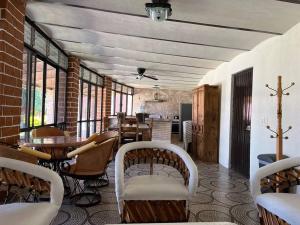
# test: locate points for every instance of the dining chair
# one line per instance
(47, 132)
(89, 164)
(36, 179)
(274, 190)
(160, 198)
(58, 154)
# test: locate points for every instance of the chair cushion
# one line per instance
(284, 205)
(154, 187)
(27, 213)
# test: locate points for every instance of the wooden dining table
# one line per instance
(143, 128)
(53, 142)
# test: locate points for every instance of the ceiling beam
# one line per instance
(148, 38)
(158, 53)
(170, 20)
(136, 60)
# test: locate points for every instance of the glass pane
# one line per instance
(27, 33)
(86, 75)
(84, 104)
(53, 53)
(32, 97)
(129, 105)
(130, 91)
(40, 43)
(63, 60)
(50, 95)
(92, 128)
(118, 87)
(61, 98)
(112, 108)
(94, 78)
(24, 90)
(79, 101)
(124, 102)
(38, 95)
(113, 85)
(124, 89)
(117, 103)
(78, 129)
(98, 126)
(84, 129)
(99, 103)
(93, 102)
(100, 81)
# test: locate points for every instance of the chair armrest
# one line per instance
(82, 149)
(56, 184)
(38, 154)
(271, 169)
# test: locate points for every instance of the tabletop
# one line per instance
(142, 126)
(58, 141)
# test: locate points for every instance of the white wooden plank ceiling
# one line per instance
(114, 37)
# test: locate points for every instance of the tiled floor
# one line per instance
(222, 195)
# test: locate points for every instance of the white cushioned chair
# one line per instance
(278, 208)
(26, 174)
(154, 198)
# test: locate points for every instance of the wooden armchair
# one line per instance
(89, 164)
(36, 178)
(154, 198)
(283, 207)
(47, 132)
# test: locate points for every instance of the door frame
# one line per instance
(231, 113)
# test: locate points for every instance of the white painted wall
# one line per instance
(276, 56)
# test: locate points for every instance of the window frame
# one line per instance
(32, 56)
(97, 86)
(114, 89)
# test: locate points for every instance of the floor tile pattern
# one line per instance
(222, 195)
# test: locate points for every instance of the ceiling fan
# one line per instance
(140, 74)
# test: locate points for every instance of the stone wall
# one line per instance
(170, 105)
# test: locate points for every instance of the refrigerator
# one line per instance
(185, 113)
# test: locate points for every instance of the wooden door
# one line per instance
(200, 124)
(241, 121)
(194, 121)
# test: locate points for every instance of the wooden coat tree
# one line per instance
(279, 134)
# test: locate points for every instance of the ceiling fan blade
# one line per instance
(150, 77)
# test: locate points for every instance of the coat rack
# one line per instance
(279, 133)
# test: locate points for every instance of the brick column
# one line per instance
(12, 16)
(106, 100)
(72, 94)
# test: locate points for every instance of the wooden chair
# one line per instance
(58, 155)
(35, 178)
(159, 198)
(26, 155)
(273, 190)
(89, 164)
(126, 132)
(47, 132)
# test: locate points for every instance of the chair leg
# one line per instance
(84, 196)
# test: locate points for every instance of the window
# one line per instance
(44, 81)
(90, 103)
(121, 99)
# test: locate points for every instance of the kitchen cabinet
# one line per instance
(205, 123)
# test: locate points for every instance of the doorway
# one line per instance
(241, 121)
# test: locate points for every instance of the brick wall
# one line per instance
(106, 100)
(12, 16)
(72, 94)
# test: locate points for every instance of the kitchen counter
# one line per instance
(161, 129)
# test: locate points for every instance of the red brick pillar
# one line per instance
(12, 16)
(72, 94)
(106, 100)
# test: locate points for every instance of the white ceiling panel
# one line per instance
(115, 37)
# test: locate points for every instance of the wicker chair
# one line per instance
(58, 155)
(34, 177)
(154, 198)
(89, 164)
(283, 207)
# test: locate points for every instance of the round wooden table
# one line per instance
(53, 142)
